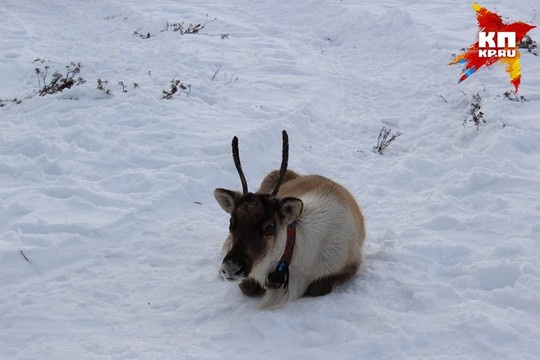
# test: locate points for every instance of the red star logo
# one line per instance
(475, 57)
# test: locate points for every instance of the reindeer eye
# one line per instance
(270, 229)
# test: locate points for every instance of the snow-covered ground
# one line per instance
(110, 237)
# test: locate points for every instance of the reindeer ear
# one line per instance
(226, 199)
(290, 209)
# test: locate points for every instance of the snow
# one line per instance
(109, 197)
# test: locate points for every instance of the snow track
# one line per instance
(109, 234)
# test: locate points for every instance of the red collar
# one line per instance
(280, 276)
(289, 247)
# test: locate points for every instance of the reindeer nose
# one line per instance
(232, 269)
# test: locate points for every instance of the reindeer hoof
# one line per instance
(251, 287)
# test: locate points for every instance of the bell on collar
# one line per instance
(280, 276)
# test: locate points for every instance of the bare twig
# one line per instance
(216, 72)
(25, 258)
(58, 82)
(176, 87)
(31, 263)
(475, 112)
(190, 29)
(384, 140)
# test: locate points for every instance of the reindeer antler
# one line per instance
(236, 158)
(284, 162)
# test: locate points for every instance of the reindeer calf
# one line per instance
(296, 236)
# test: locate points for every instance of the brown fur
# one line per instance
(270, 180)
(326, 284)
(299, 185)
(295, 185)
(252, 212)
(251, 287)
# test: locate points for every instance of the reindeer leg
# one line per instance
(251, 287)
(326, 284)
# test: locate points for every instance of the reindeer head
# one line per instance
(258, 221)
